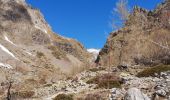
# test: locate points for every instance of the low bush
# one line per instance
(96, 69)
(23, 94)
(47, 85)
(109, 84)
(106, 81)
(63, 97)
(93, 80)
(58, 54)
(40, 54)
(151, 71)
(94, 97)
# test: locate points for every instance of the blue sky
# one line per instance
(84, 20)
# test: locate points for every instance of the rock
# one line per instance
(164, 75)
(135, 94)
(122, 67)
(117, 94)
(124, 74)
(156, 97)
(161, 92)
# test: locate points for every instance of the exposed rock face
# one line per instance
(145, 39)
(30, 53)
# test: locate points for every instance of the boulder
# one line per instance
(135, 94)
(117, 94)
(161, 92)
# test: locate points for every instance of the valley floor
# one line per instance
(145, 88)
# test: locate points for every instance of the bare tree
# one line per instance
(120, 14)
(9, 91)
(122, 9)
(10, 79)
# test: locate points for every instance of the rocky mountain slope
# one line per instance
(144, 39)
(31, 54)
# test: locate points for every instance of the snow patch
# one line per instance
(44, 30)
(7, 51)
(7, 39)
(5, 65)
(64, 37)
(95, 52)
(29, 53)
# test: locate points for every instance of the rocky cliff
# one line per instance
(144, 39)
(31, 54)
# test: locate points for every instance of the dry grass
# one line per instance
(76, 69)
(40, 54)
(97, 69)
(105, 81)
(151, 71)
(63, 97)
(94, 97)
(23, 94)
(58, 54)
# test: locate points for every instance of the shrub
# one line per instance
(23, 94)
(96, 69)
(92, 80)
(58, 54)
(151, 71)
(63, 97)
(105, 81)
(94, 97)
(40, 54)
(47, 85)
(109, 84)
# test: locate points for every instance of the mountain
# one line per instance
(31, 54)
(94, 52)
(144, 39)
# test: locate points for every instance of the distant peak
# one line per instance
(92, 50)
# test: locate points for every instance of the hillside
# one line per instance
(31, 53)
(144, 39)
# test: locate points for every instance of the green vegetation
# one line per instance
(97, 69)
(151, 71)
(40, 54)
(63, 97)
(105, 81)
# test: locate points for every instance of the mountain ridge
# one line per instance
(31, 53)
(143, 40)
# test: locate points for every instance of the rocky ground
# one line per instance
(132, 88)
